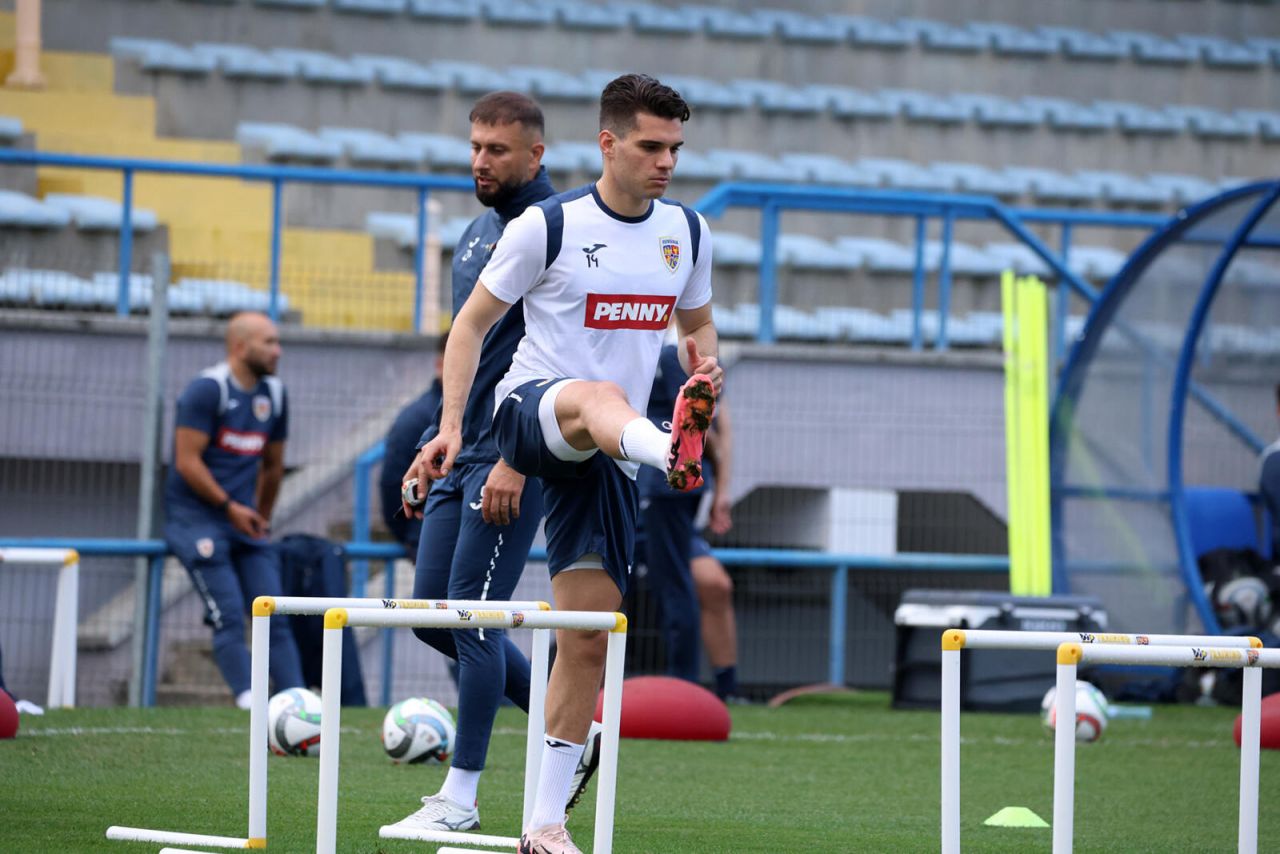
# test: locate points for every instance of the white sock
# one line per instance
(559, 761)
(460, 786)
(244, 699)
(641, 442)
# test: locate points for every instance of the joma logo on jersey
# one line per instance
(628, 311)
(236, 442)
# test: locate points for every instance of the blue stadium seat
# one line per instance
(1121, 188)
(471, 78)
(1009, 40)
(700, 92)
(1183, 189)
(574, 15)
(400, 228)
(872, 32)
(935, 35)
(735, 322)
(795, 324)
(860, 324)
(797, 27)
(440, 151)
(1269, 47)
(919, 106)
(994, 111)
(1082, 45)
(726, 23)
(318, 67)
(392, 72)
(242, 62)
(1261, 122)
(140, 286)
(1210, 124)
(903, 175)
(651, 18)
(972, 178)
(735, 250)
(550, 84)
(806, 252)
(572, 157)
(369, 148)
(1019, 258)
(10, 130)
(1097, 263)
(1153, 49)
(1050, 186)
(1062, 114)
(845, 102)
(286, 142)
(1222, 53)
(773, 97)
(291, 4)
(445, 10)
(964, 259)
(452, 229)
(371, 7)
(1141, 120)
(754, 166)
(829, 169)
(161, 56)
(516, 13)
(56, 289)
(22, 211)
(880, 255)
(92, 213)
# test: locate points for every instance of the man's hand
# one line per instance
(721, 519)
(500, 498)
(247, 521)
(699, 364)
(433, 462)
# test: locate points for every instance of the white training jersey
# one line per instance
(599, 288)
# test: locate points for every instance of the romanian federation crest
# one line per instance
(670, 252)
(261, 407)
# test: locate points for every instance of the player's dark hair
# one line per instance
(630, 94)
(504, 108)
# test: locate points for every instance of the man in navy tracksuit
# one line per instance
(228, 461)
(401, 444)
(480, 521)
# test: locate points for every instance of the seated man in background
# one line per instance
(1269, 486)
(228, 461)
(401, 450)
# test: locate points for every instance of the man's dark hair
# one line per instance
(503, 108)
(630, 94)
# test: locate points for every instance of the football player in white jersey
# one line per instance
(601, 270)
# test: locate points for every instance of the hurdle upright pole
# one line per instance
(259, 659)
(1064, 748)
(330, 731)
(952, 643)
(1250, 746)
(538, 667)
(607, 786)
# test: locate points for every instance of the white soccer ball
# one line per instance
(418, 730)
(293, 723)
(1091, 711)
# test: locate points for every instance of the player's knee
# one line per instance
(587, 649)
(716, 590)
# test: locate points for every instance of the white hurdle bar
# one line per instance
(955, 640)
(1251, 660)
(263, 609)
(541, 622)
(62, 658)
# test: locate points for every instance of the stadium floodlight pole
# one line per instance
(264, 607)
(336, 619)
(1251, 661)
(955, 640)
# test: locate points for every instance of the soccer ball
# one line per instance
(1091, 711)
(293, 723)
(418, 730)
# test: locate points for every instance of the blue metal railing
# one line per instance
(839, 564)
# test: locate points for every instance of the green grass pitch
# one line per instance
(840, 774)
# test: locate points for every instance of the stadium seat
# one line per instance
(1269, 47)
(471, 78)
(162, 56)
(872, 32)
(1183, 189)
(573, 15)
(54, 288)
(736, 250)
(1139, 119)
(902, 175)
(1098, 263)
(445, 10)
(1222, 53)
(1009, 40)
(1019, 257)
(806, 252)
(845, 102)
(965, 259)
(994, 111)
(10, 130)
(370, 148)
(700, 92)
(140, 287)
(880, 255)
(14, 289)
(439, 151)
(922, 107)
(400, 228)
(797, 27)
(92, 213)
(568, 157)
(452, 229)
(1068, 115)
(1050, 186)
(395, 73)
(371, 7)
(753, 166)
(726, 23)
(22, 211)
(241, 62)
(1261, 122)
(972, 178)
(935, 35)
(550, 84)
(1082, 45)
(772, 97)
(699, 167)
(516, 13)
(286, 142)
(1152, 49)
(316, 67)
(651, 18)
(795, 324)
(1210, 124)
(292, 4)
(1120, 188)
(829, 169)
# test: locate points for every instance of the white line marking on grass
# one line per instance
(144, 730)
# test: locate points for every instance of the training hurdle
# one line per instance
(1251, 660)
(62, 657)
(264, 607)
(955, 640)
(540, 622)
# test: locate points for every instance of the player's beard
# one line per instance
(504, 192)
(259, 367)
